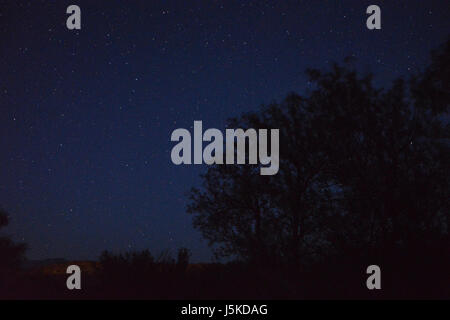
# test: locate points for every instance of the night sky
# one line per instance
(86, 116)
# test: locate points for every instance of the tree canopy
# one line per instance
(360, 167)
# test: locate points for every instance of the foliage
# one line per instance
(361, 168)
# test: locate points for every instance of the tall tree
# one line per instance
(360, 167)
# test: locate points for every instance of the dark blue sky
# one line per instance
(86, 116)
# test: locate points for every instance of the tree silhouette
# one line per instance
(361, 168)
(11, 254)
(184, 254)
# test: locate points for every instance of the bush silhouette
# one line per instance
(11, 254)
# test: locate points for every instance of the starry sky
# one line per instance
(86, 115)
